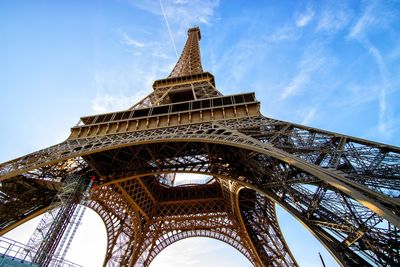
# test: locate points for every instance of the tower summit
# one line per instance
(187, 80)
(189, 62)
(342, 188)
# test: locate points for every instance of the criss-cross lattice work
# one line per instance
(344, 189)
(190, 61)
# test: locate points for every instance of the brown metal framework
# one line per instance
(345, 190)
(189, 62)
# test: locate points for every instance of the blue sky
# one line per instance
(328, 64)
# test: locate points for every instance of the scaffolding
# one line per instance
(76, 220)
(47, 236)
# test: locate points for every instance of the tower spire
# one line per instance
(186, 82)
(189, 62)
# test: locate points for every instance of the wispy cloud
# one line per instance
(376, 54)
(127, 40)
(305, 18)
(291, 31)
(395, 53)
(312, 60)
(308, 115)
(189, 13)
(392, 126)
(203, 252)
(161, 55)
(285, 33)
(107, 103)
(175, 257)
(180, 13)
(359, 32)
(367, 19)
(299, 80)
(237, 61)
(334, 18)
(115, 91)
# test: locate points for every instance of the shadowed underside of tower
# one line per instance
(345, 190)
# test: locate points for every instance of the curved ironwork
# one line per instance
(159, 233)
(344, 189)
(122, 224)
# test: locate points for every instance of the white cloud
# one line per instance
(311, 61)
(128, 40)
(299, 80)
(241, 57)
(377, 15)
(291, 32)
(359, 32)
(384, 130)
(333, 19)
(198, 252)
(204, 20)
(304, 19)
(161, 55)
(106, 103)
(308, 115)
(362, 23)
(181, 13)
(116, 90)
(394, 55)
(286, 33)
(190, 178)
(149, 6)
(181, 1)
(376, 54)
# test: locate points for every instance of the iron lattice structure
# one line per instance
(345, 190)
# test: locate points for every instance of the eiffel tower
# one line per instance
(344, 190)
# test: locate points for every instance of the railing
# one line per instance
(15, 251)
(168, 109)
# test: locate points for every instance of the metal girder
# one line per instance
(189, 61)
(164, 228)
(259, 217)
(283, 168)
(19, 198)
(344, 189)
(123, 224)
(213, 133)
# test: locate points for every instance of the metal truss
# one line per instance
(21, 200)
(344, 189)
(53, 224)
(122, 222)
(190, 61)
(28, 195)
(165, 91)
(171, 221)
(287, 178)
(260, 219)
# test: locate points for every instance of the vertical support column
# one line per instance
(123, 225)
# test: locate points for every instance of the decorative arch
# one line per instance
(165, 228)
(230, 238)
